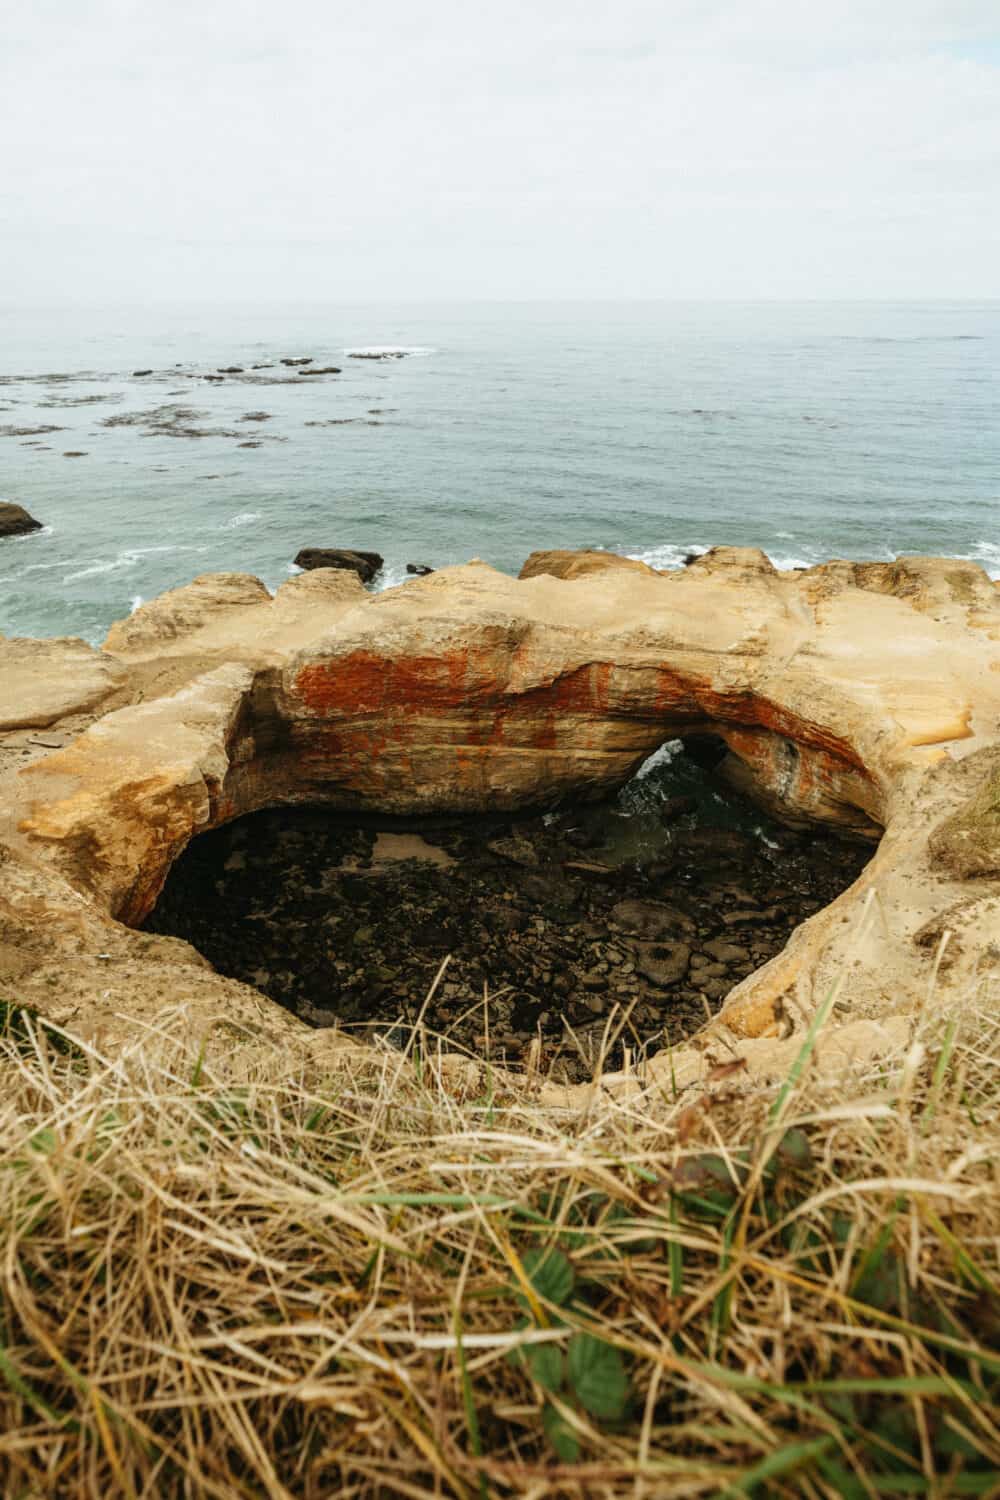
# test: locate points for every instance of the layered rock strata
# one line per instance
(862, 696)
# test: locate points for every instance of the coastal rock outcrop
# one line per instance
(579, 564)
(365, 564)
(15, 520)
(860, 696)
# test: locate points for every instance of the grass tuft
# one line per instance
(410, 1278)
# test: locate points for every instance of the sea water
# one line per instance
(812, 430)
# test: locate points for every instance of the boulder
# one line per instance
(365, 564)
(418, 570)
(582, 564)
(15, 520)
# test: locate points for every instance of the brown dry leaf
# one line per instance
(726, 1069)
(689, 1119)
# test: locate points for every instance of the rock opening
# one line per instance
(651, 905)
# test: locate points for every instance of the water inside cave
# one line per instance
(633, 917)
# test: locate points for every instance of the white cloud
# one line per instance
(742, 148)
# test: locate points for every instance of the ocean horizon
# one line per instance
(158, 443)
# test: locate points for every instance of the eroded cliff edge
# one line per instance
(861, 695)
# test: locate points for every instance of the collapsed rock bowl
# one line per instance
(861, 696)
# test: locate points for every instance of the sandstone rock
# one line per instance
(185, 610)
(365, 564)
(582, 564)
(967, 844)
(45, 681)
(856, 699)
(15, 520)
(736, 564)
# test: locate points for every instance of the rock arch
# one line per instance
(861, 695)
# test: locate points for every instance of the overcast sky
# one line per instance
(398, 149)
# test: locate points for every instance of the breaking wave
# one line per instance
(129, 557)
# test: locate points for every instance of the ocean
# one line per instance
(812, 430)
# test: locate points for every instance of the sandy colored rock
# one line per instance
(210, 599)
(42, 682)
(861, 696)
(582, 564)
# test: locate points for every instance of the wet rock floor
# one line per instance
(656, 904)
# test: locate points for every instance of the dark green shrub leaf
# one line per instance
(545, 1364)
(596, 1373)
(560, 1434)
(551, 1275)
(707, 1184)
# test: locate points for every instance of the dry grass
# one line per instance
(296, 1288)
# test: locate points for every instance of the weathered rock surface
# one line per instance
(862, 696)
(365, 564)
(569, 564)
(14, 519)
(45, 681)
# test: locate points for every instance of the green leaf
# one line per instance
(597, 1375)
(845, 1485)
(545, 1364)
(782, 1461)
(551, 1275)
(705, 1184)
(560, 1434)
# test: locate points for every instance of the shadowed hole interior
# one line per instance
(656, 902)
